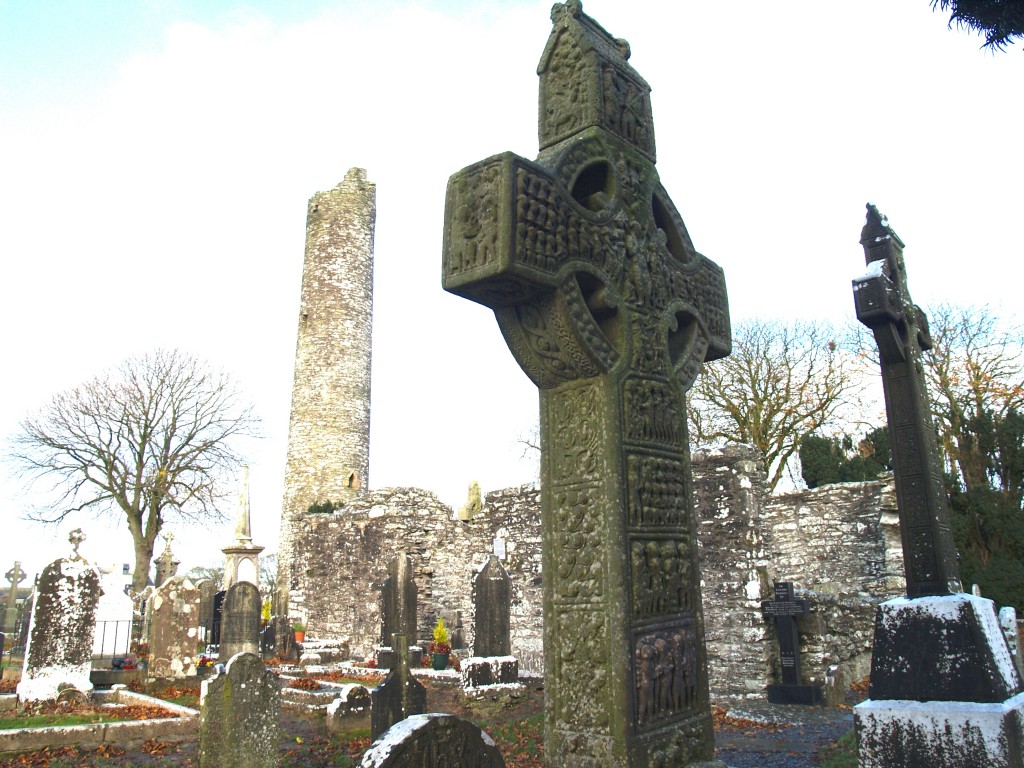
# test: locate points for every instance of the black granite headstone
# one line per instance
(784, 610)
(218, 612)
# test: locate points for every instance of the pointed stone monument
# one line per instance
(609, 309)
(944, 690)
(242, 557)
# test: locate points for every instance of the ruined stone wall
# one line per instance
(839, 538)
(839, 544)
(344, 557)
(735, 549)
(835, 642)
(329, 429)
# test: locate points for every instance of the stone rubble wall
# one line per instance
(839, 544)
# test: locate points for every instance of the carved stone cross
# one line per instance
(784, 610)
(611, 312)
(900, 328)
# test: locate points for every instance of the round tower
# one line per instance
(329, 431)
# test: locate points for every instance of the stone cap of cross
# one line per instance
(881, 296)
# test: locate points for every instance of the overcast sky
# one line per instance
(156, 158)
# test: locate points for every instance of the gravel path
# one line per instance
(761, 735)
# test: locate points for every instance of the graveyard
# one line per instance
(648, 604)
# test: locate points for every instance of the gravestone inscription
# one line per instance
(609, 309)
(784, 610)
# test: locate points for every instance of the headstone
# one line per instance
(398, 607)
(14, 577)
(25, 620)
(173, 611)
(492, 602)
(239, 714)
(399, 695)
(218, 616)
(240, 621)
(59, 652)
(609, 309)
(207, 589)
(784, 610)
(433, 740)
(938, 653)
(352, 706)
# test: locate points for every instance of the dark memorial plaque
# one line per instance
(785, 609)
(611, 312)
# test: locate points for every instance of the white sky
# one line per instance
(156, 160)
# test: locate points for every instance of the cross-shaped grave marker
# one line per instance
(609, 309)
(785, 609)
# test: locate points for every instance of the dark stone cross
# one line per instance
(900, 328)
(785, 609)
(609, 309)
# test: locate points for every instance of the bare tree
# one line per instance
(975, 372)
(782, 382)
(150, 440)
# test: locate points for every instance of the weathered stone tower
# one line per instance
(329, 432)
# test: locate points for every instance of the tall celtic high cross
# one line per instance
(611, 312)
(900, 328)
